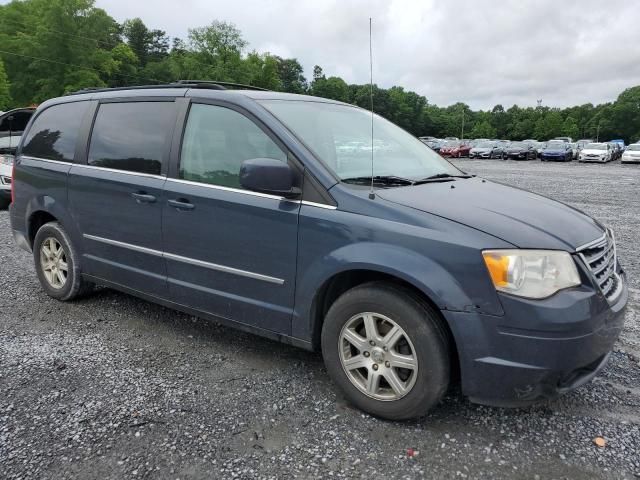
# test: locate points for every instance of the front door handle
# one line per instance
(143, 197)
(181, 204)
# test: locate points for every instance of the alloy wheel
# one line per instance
(53, 261)
(378, 356)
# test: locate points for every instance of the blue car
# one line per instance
(279, 214)
(557, 150)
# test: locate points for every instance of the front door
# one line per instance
(229, 252)
(116, 197)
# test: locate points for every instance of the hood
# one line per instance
(590, 151)
(554, 150)
(516, 149)
(480, 149)
(522, 218)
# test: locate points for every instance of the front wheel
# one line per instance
(58, 264)
(387, 351)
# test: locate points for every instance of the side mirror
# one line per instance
(268, 175)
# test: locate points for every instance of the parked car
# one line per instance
(564, 139)
(557, 150)
(520, 151)
(435, 145)
(454, 149)
(455, 139)
(582, 142)
(574, 151)
(616, 151)
(12, 124)
(596, 152)
(631, 154)
(540, 146)
(486, 150)
(426, 139)
(232, 206)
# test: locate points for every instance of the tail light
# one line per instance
(13, 183)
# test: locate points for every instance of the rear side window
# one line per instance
(216, 142)
(54, 132)
(15, 122)
(132, 136)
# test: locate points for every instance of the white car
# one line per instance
(595, 152)
(631, 154)
(7, 144)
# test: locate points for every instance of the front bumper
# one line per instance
(539, 349)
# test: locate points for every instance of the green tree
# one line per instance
(5, 95)
(483, 129)
(570, 128)
(291, 75)
(218, 48)
(332, 87)
(137, 35)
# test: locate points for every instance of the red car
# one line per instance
(455, 149)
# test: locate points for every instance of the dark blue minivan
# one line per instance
(281, 215)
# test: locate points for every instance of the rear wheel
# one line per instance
(387, 351)
(57, 263)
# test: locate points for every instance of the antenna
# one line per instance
(372, 194)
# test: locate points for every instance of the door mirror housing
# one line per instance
(268, 175)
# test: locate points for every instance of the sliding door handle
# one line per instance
(143, 197)
(181, 204)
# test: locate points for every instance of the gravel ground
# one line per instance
(115, 387)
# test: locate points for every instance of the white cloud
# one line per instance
(481, 52)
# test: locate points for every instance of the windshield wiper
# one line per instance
(441, 177)
(380, 179)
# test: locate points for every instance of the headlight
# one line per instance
(6, 159)
(531, 273)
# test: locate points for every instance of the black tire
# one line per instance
(422, 325)
(4, 203)
(74, 286)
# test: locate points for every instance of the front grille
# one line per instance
(600, 258)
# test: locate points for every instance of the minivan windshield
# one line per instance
(340, 136)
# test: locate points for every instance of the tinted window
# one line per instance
(15, 122)
(54, 132)
(131, 136)
(216, 142)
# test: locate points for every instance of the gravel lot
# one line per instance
(115, 387)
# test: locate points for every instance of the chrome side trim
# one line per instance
(319, 205)
(115, 170)
(38, 159)
(230, 189)
(223, 268)
(129, 246)
(191, 261)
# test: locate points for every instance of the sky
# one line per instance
(481, 52)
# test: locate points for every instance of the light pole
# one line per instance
(462, 133)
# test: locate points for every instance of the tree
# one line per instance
(291, 75)
(570, 128)
(483, 130)
(5, 95)
(137, 35)
(317, 73)
(332, 87)
(218, 47)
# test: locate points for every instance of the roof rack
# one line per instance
(205, 84)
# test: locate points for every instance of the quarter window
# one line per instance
(132, 136)
(54, 132)
(216, 142)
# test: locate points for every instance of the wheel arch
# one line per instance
(44, 209)
(345, 280)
